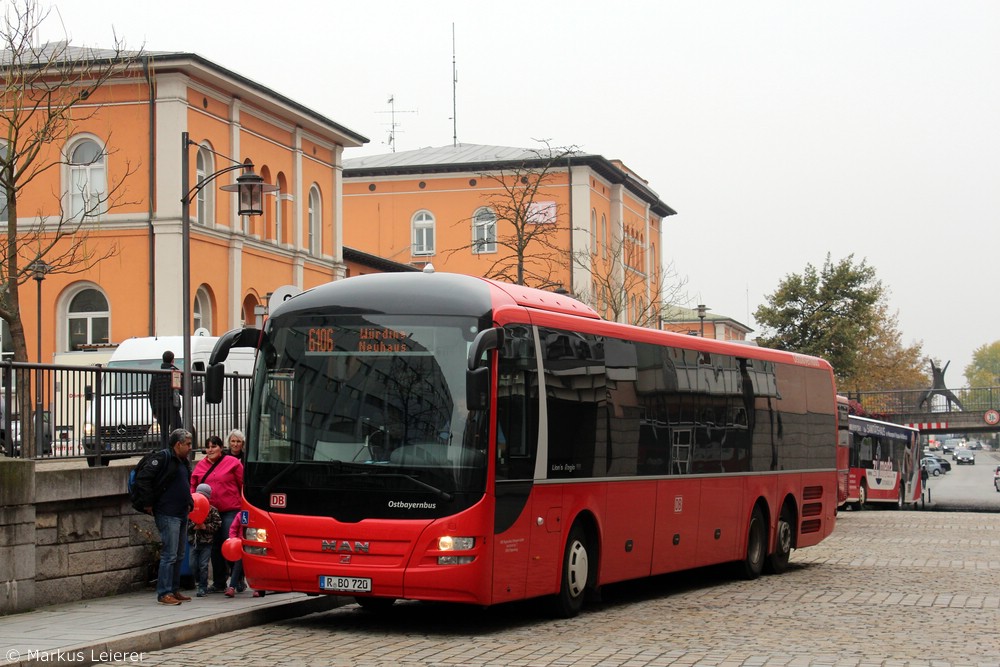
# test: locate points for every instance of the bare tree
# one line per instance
(523, 225)
(621, 286)
(45, 99)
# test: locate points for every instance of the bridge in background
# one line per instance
(979, 412)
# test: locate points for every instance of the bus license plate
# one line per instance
(345, 584)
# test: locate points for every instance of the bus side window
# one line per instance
(517, 406)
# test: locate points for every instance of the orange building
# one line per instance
(129, 136)
(445, 206)
(704, 323)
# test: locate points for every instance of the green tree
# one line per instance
(984, 370)
(840, 312)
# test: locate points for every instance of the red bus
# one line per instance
(884, 464)
(843, 450)
(445, 437)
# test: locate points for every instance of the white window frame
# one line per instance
(205, 203)
(202, 316)
(315, 221)
(423, 226)
(89, 316)
(484, 231)
(86, 181)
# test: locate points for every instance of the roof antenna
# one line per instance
(392, 121)
(454, 94)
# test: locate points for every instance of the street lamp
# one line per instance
(38, 270)
(702, 309)
(251, 188)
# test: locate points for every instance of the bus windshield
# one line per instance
(368, 402)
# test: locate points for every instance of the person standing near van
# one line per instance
(164, 399)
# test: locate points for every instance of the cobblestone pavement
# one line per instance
(889, 588)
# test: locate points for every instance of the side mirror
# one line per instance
(215, 378)
(486, 340)
(477, 388)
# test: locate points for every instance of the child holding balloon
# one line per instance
(233, 551)
(203, 522)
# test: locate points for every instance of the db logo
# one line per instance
(992, 417)
(279, 500)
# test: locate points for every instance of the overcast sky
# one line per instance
(779, 131)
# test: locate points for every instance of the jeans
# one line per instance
(237, 578)
(173, 535)
(220, 566)
(201, 553)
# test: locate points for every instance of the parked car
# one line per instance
(943, 462)
(965, 456)
(932, 466)
(975, 444)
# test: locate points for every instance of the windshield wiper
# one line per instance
(440, 493)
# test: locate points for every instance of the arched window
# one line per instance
(315, 221)
(484, 231)
(604, 236)
(205, 205)
(88, 180)
(89, 319)
(423, 233)
(202, 311)
(593, 231)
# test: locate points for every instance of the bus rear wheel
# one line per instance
(777, 562)
(753, 562)
(576, 573)
(862, 497)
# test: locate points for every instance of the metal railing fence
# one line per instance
(99, 413)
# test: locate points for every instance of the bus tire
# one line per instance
(777, 562)
(753, 563)
(576, 572)
(862, 497)
(375, 605)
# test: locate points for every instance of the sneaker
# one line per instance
(240, 587)
(230, 592)
(215, 589)
(259, 594)
(168, 599)
(202, 592)
(180, 596)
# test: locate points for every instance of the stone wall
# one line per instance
(69, 535)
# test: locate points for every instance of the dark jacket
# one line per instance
(161, 393)
(205, 535)
(158, 484)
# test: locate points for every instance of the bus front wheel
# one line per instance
(753, 562)
(862, 497)
(575, 574)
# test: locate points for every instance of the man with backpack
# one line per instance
(163, 488)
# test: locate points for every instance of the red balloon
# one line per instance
(232, 548)
(200, 511)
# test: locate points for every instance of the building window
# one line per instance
(202, 311)
(88, 180)
(604, 237)
(89, 319)
(593, 231)
(423, 233)
(484, 231)
(315, 221)
(205, 205)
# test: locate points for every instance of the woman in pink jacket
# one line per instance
(225, 475)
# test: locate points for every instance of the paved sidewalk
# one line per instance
(91, 631)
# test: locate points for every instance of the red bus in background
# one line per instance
(884, 464)
(843, 450)
(445, 437)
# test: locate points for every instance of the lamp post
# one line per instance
(251, 188)
(702, 309)
(38, 270)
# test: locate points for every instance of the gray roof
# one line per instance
(483, 158)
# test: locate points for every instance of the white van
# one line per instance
(125, 420)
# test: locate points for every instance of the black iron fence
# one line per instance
(98, 413)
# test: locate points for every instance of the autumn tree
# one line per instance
(521, 222)
(984, 369)
(840, 312)
(45, 93)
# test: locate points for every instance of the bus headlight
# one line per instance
(255, 534)
(449, 543)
